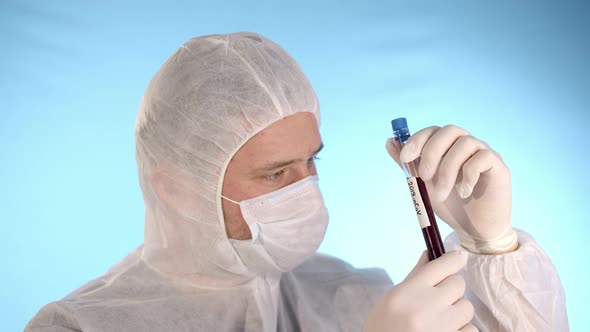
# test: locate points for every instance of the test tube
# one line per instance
(420, 198)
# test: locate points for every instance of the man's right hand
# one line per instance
(429, 299)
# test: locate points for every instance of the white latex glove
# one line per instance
(429, 299)
(468, 183)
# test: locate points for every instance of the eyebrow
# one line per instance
(280, 164)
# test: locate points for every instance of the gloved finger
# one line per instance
(393, 148)
(469, 328)
(461, 150)
(421, 262)
(460, 314)
(415, 143)
(481, 162)
(435, 149)
(437, 270)
(451, 289)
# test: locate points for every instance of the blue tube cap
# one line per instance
(399, 123)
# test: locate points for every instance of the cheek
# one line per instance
(238, 185)
(235, 225)
(246, 188)
(231, 213)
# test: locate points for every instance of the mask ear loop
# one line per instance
(231, 200)
(254, 229)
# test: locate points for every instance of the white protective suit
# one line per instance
(205, 102)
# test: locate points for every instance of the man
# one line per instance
(226, 135)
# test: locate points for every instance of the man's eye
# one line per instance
(275, 176)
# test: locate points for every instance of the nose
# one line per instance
(305, 170)
(313, 170)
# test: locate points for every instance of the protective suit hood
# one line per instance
(212, 95)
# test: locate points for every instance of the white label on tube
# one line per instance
(418, 202)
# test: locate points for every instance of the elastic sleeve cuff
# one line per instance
(504, 243)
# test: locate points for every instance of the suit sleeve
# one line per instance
(516, 291)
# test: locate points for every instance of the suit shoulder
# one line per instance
(54, 317)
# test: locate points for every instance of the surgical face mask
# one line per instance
(287, 226)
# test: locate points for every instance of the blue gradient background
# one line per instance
(72, 73)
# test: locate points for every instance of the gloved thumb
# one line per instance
(421, 262)
(393, 148)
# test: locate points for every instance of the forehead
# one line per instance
(291, 137)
